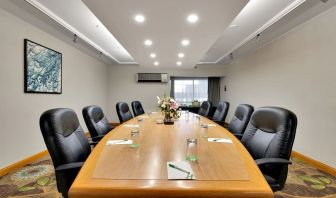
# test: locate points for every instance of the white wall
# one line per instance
(297, 72)
(84, 83)
(123, 87)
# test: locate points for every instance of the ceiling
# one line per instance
(226, 30)
(166, 26)
(256, 16)
(76, 17)
(288, 22)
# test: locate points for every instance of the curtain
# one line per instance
(172, 86)
(214, 90)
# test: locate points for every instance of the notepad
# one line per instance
(180, 171)
(111, 142)
(131, 125)
(143, 117)
(220, 140)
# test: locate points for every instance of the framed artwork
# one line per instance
(42, 69)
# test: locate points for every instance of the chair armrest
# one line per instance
(239, 137)
(69, 166)
(97, 138)
(221, 123)
(65, 175)
(93, 143)
(226, 125)
(264, 161)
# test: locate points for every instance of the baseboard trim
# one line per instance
(22, 163)
(317, 164)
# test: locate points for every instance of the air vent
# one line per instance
(152, 77)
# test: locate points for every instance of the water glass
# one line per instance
(204, 130)
(135, 133)
(198, 119)
(192, 150)
(139, 119)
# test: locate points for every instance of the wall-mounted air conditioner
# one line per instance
(152, 77)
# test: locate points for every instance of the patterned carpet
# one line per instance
(38, 180)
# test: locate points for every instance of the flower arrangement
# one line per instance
(169, 107)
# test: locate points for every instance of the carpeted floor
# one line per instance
(38, 180)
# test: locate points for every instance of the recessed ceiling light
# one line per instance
(180, 55)
(148, 42)
(139, 18)
(185, 42)
(178, 63)
(156, 63)
(152, 55)
(192, 18)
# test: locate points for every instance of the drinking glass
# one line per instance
(135, 133)
(192, 150)
(139, 119)
(204, 130)
(198, 118)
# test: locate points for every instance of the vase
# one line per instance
(168, 119)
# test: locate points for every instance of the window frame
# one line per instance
(193, 86)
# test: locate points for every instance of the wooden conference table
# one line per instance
(223, 169)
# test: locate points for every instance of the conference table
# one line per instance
(222, 169)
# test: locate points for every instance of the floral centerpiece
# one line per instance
(169, 107)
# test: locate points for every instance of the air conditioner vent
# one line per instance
(152, 77)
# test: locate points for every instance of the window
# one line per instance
(188, 90)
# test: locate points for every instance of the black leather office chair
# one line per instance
(205, 109)
(240, 120)
(137, 108)
(269, 138)
(221, 112)
(66, 143)
(96, 122)
(123, 112)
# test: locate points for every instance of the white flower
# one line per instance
(163, 106)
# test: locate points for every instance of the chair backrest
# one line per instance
(64, 136)
(221, 111)
(205, 109)
(123, 112)
(137, 108)
(240, 119)
(270, 134)
(96, 121)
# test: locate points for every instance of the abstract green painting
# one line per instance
(43, 69)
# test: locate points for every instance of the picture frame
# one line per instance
(42, 69)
